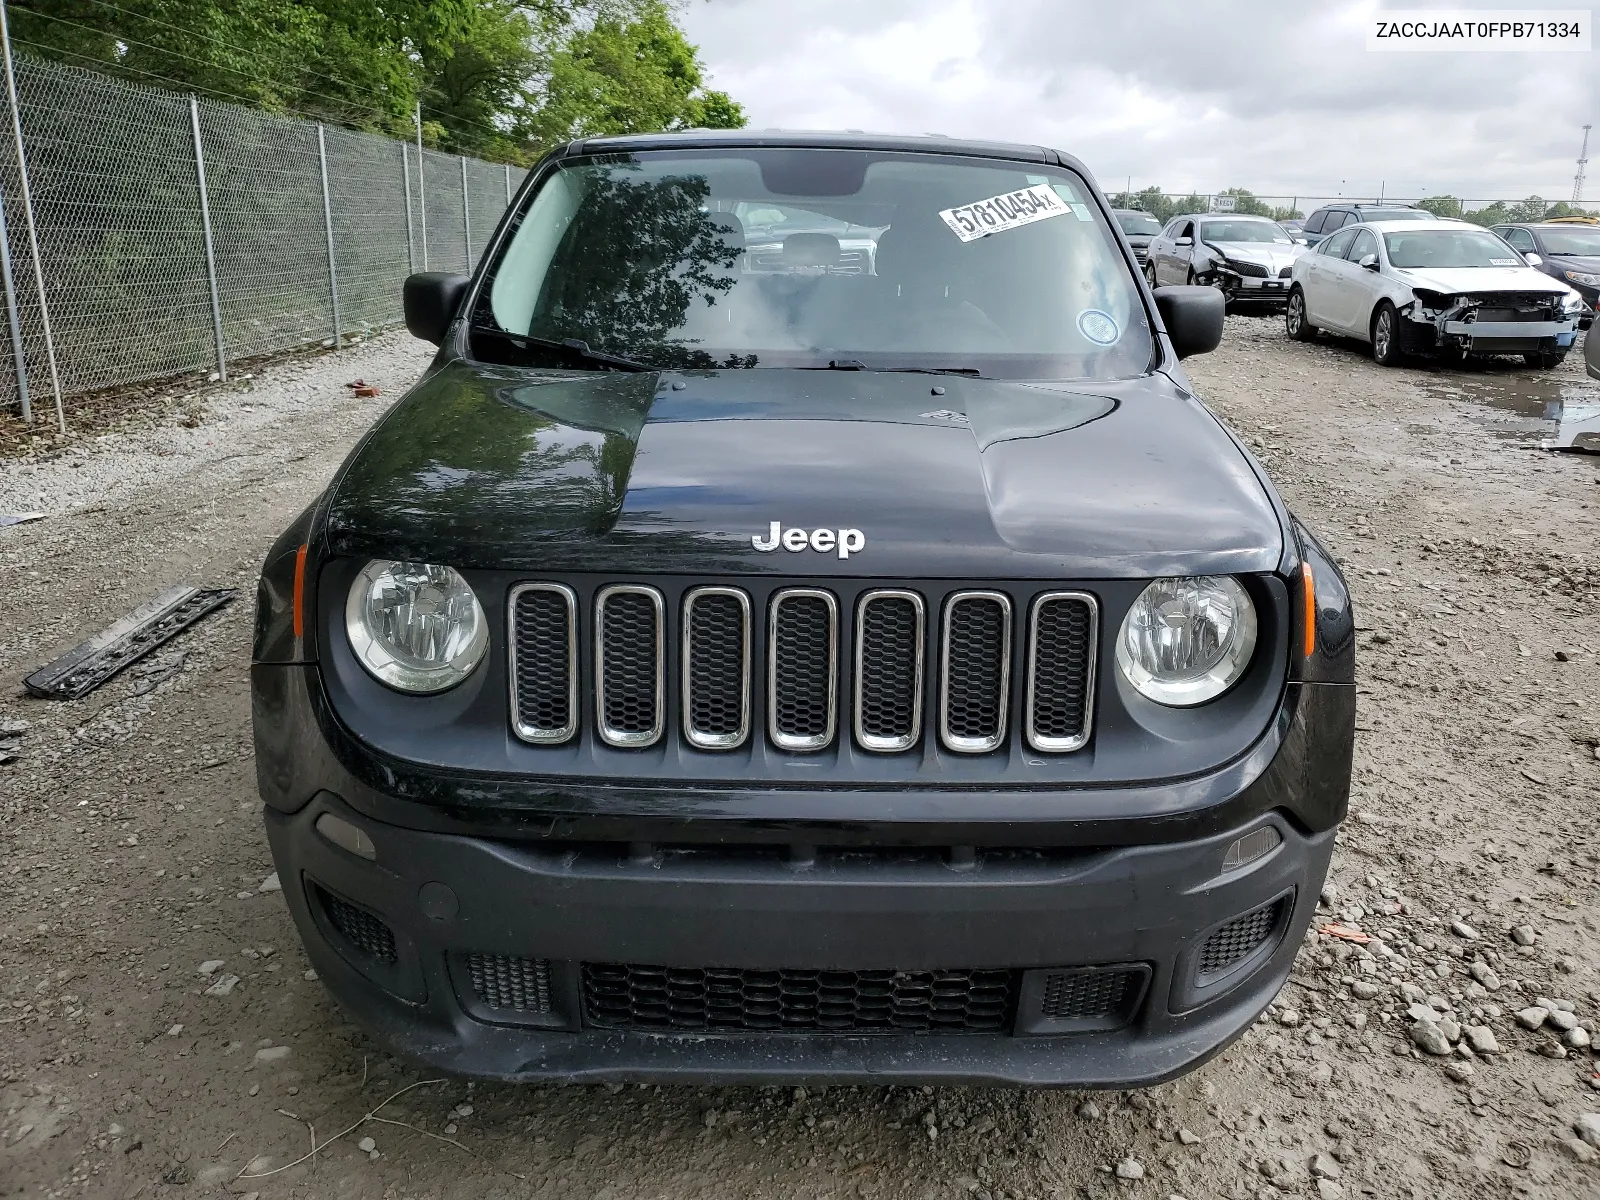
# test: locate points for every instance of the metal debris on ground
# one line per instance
(19, 518)
(91, 663)
(362, 388)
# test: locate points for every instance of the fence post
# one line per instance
(27, 212)
(18, 355)
(327, 224)
(508, 185)
(405, 176)
(422, 189)
(466, 213)
(205, 228)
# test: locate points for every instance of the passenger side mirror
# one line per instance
(1533, 260)
(1368, 262)
(430, 302)
(1193, 317)
(1184, 241)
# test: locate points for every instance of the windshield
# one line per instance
(1244, 231)
(1575, 240)
(711, 259)
(1380, 215)
(1138, 223)
(1448, 248)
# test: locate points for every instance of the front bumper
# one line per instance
(1252, 288)
(444, 897)
(1026, 897)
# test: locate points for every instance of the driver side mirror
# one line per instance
(1368, 262)
(1533, 260)
(430, 302)
(1193, 317)
(1184, 241)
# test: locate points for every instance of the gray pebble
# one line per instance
(1428, 1037)
(1532, 1018)
(1363, 990)
(1588, 1128)
(1462, 930)
(1523, 935)
(1481, 1038)
(1130, 1169)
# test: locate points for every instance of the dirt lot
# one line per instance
(131, 853)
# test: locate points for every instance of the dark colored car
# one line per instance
(1138, 227)
(1331, 218)
(1564, 250)
(718, 675)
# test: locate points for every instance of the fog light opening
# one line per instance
(348, 837)
(1250, 847)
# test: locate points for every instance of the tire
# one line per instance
(1150, 275)
(1190, 279)
(1295, 323)
(1386, 336)
(1545, 360)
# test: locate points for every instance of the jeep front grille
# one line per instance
(975, 675)
(888, 676)
(716, 667)
(628, 660)
(802, 676)
(784, 660)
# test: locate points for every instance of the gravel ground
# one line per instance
(159, 1029)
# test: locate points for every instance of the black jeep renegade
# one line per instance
(803, 626)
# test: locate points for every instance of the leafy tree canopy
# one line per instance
(502, 79)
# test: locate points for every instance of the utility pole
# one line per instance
(1583, 163)
(422, 189)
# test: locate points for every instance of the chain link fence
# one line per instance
(177, 235)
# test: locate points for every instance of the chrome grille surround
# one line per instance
(962, 743)
(913, 734)
(1041, 742)
(628, 738)
(701, 739)
(524, 730)
(785, 740)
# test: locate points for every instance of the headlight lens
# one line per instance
(1583, 277)
(1187, 640)
(415, 626)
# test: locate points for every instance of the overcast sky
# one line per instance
(1280, 99)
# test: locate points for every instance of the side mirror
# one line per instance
(1368, 262)
(1184, 241)
(1193, 317)
(1533, 260)
(431, 300)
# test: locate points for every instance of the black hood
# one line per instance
(1587, 263)
(500, 467)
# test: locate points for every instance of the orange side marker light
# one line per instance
(1308, 597)
(299, 592)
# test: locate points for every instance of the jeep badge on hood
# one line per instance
(848, 541)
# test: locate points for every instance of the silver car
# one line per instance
(1247, 258)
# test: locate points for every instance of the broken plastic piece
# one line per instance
(19, 518)
(1345, 932)
(91, 663)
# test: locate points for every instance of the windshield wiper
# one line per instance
(855, 364)
(573, 346)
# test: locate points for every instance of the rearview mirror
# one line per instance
(1533, 260)
(1193, 317)
(1368, 262)
(430, 302)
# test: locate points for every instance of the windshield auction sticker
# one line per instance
(970, 222)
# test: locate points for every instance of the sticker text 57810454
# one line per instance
(983, 217)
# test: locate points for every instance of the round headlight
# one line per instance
(415, 626)
(1187, 640)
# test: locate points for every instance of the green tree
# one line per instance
(1441, 206)
(624, 74)
(1531, 209)
(1493, 214)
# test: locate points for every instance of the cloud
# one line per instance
(1284, 100)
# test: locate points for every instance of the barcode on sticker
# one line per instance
(998, 213)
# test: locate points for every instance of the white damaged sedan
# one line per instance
(1431, 288)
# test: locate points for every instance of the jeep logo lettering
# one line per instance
(846, 541)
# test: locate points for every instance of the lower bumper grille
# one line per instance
(505, 983)
(1239, 938)
(364, 931)
(711, 999)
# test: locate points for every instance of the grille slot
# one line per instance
(1086, 995)
(975, 671)
(802, 672)
(716, 668)
(505, 983)
(1062, 644)
(544, 662)
(628, 664)
(890, 630)
(365, 931)
(1254, 270)
(1241, 936)
(725, 999)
